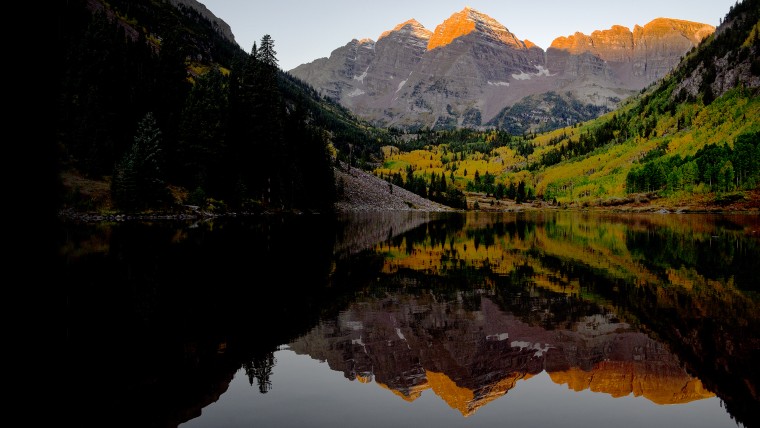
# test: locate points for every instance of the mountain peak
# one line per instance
(694, 31)
(469, 20)
(410, 27)
(624, 37)
(529, 44)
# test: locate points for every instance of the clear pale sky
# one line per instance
(304, 30)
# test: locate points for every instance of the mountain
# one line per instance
(688, 142)
(471, 70)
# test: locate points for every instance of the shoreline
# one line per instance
(69, 215)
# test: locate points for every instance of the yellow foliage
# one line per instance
(753, 35)
(594, 177)
(681, 144)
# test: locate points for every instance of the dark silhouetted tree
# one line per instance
(138, 177)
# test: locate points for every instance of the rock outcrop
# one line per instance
(222, 27)
(471, 68)
(660, 44)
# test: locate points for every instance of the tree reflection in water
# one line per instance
(260, 370)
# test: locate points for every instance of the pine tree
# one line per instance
(266, 53)
(138, 177)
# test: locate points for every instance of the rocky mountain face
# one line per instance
(472, 70)
(632, 58)
(221, 27)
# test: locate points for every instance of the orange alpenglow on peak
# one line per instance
(469, 20)
(578, 43)
(411, 26)
(694, 31)
(620, 37)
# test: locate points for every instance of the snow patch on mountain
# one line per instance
(361, 77)
(542, 71)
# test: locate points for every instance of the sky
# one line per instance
(305, 30)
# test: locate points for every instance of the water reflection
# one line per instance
(470, 352)
(660, 307)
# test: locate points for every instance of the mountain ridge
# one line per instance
(472, 68)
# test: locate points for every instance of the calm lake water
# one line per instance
(393, 320)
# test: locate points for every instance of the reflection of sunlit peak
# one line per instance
(622, 378)
(465, 400)
(455, 396)
(414, 393)
(364, 377)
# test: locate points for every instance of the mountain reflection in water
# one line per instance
(470, 352)
(660, 307)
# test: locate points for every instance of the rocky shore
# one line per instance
(361, 191)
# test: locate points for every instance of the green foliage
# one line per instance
(712, 166)
(611, 131)
(197, 197)
(138, 179)
(459, 141)
(266, 53)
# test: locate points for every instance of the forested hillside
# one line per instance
(157, 104)
(691, 139)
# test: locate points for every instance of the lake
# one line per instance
(529, 319)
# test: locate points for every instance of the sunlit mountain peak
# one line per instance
(469, 20)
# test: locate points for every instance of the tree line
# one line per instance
(518, 191)
(437, 188)
(716, 167)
